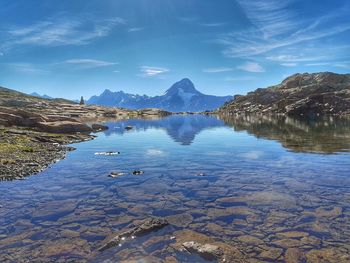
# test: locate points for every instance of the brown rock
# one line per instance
(271, 253)
(292, 234)
(287, 243)
(180, 220)
(293, 255)
(171, 259)
(206, 251)
(133, 231)
(98, 127)
(329, 255)
(202, 244)
(63, 127)
(329, 213)
(251, 240)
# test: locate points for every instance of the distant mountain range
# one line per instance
(35, 94)
(182, 96)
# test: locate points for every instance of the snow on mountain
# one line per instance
(182, 96)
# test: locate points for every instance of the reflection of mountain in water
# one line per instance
(317, 136)
(182, 129)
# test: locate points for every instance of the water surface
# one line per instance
(264, 177)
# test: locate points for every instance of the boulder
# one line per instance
(98, 127)
(63, 127)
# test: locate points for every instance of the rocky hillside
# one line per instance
(57, 115)
(301, 94)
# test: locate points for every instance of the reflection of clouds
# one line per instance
(216, 153)
(284, 161)
(253, 155)
(155, 152)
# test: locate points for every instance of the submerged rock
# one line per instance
(207, 251)
(137, 172)
(292, 234)
(329, 213)
(180, 220)
(294, 255)
(206, 247)
(271, 253)
(331, 255)
(133, 231)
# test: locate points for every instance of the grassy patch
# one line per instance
(17, 145)
(7, 161)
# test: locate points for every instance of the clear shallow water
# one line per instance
(264, 177)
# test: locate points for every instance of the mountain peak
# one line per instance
(184, 85)
(106, 92)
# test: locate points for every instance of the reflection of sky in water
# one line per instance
(171, 151)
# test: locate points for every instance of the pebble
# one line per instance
(115, 174)
(107, 153)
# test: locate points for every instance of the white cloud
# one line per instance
(27, 68)
(317, 64)
(274, 25)
(293, 58)
(252, 155)
(217, 70)
(188, 19)
(213, 24)
(135, 29)
(62, 31)
(244, 78)
(290, 64)
(147, 71)
(342, 65)
(339, 64)
(251, 67)
(155, 152)
(89, 63)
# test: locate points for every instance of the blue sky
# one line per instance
(71, 48)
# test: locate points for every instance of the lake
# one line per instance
(275, 189)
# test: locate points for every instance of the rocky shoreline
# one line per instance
(34, 132)
(25, 152)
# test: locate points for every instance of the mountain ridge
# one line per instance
(181, 96)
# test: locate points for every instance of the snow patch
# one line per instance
(185, 96)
